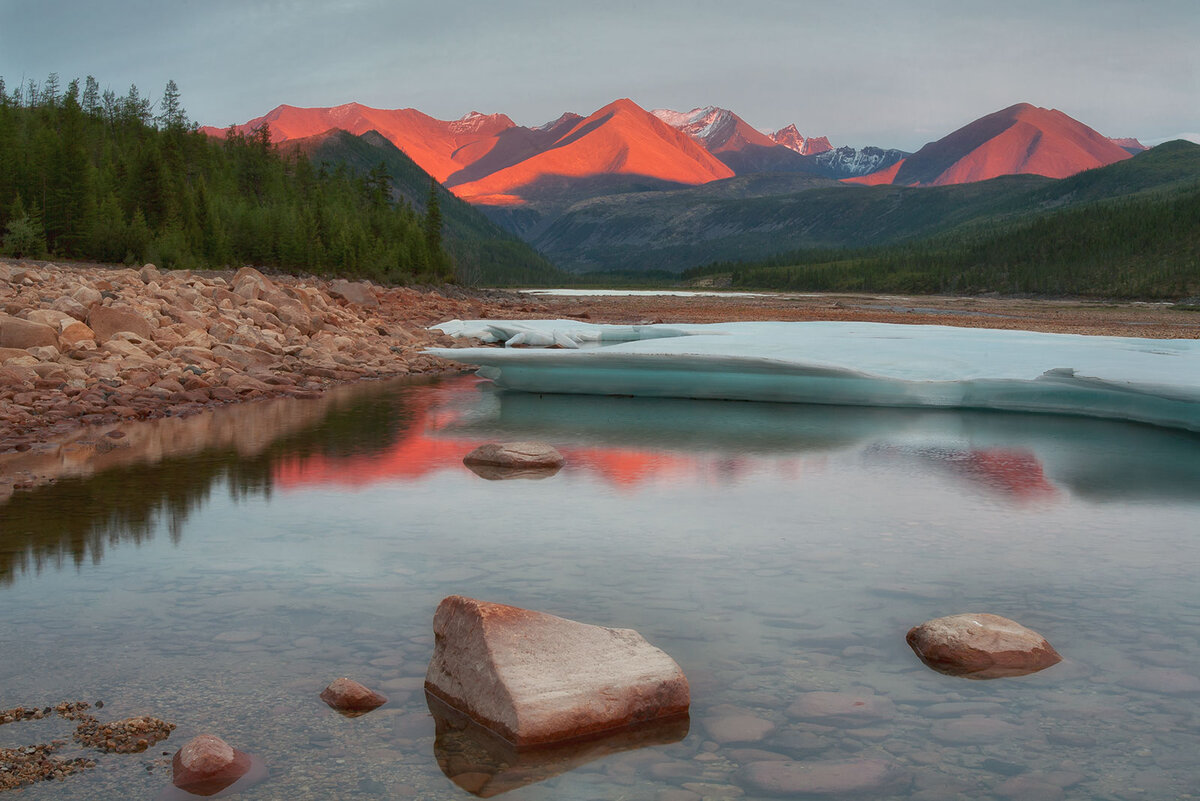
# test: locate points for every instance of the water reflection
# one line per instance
(110, 490)
(485, 765)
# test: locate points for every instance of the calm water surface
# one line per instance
(774, 551)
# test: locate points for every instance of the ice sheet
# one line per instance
(866, 364)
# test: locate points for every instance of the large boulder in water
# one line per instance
(534, 678)
(981, 646)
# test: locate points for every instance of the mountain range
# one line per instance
(487, 159)
(605, 190)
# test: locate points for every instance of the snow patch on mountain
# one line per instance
(849, 162)
(711, 126)
(473, 121)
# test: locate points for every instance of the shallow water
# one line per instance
(773, 550)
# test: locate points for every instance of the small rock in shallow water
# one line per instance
(207, 764)
(981, 646)
(351, 698)
(514, 460)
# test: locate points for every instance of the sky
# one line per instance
(862, 72)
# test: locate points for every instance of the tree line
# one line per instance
(1145, 246)
(90, 175)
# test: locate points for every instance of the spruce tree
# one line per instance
(433, 222)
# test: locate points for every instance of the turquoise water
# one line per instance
(779, 553)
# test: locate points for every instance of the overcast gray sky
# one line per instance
(883, 72)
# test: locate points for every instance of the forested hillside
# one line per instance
(1144, 243)
(483, 252)
(90, 175)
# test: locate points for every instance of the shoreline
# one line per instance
(207, 340)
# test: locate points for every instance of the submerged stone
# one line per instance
(833, 777)
(981, 646)
(534, 678)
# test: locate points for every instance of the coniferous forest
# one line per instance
(89, 175)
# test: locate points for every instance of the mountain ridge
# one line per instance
(489, 160)
(1022, 139)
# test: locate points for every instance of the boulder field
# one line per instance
(95, 344)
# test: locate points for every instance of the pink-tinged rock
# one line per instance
(21, 334)
(856, 777)
(249, 283)
(351, 698)
(534, 678)
(981, 646)
(501, 460)
(106, 321)
(849, 707)
(206, 765)
(13, 353)
(75, 333)
(86, 296)
(358, 292)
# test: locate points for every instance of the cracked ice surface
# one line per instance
(865, 364)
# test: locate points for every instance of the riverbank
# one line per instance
(87, 351)
(93, 345)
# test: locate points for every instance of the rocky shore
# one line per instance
(84, 345)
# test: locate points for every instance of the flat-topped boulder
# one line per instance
(356, 292)
(981, 646)
(534, 678)
(107, 321)
(20, 334)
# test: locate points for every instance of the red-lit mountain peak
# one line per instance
(428, 141)
(1021, 139)
(791, 138)
(621, 138)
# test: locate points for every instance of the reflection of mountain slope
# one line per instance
(1014, 473)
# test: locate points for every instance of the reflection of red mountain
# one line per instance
(420, 450)
(1018, 474)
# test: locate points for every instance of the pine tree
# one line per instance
(433, 221)
(172, 117)
(91, 96)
